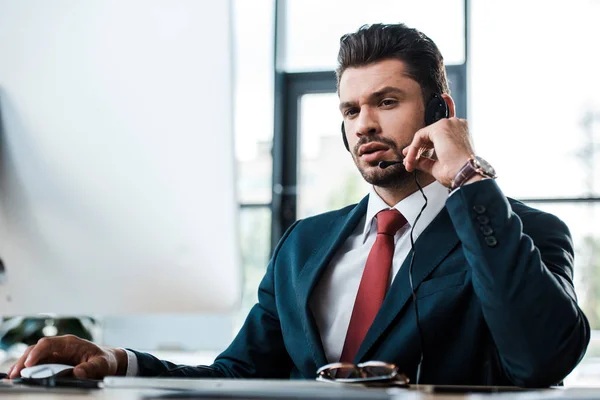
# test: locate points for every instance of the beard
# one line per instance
(394, 176)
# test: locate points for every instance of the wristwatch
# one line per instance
(475, 165)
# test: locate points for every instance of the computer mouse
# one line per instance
(43, 371)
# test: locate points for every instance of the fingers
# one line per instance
(95, 368)
(425, 165)
(47, 348)
(450, 139)
(15, 370)
(412, 160)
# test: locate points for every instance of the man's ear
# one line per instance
(450, 102)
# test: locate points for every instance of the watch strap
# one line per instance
(463, 175)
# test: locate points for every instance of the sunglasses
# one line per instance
(367, 373)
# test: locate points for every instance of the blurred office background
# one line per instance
(522, 72)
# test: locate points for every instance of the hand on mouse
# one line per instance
(90, 360)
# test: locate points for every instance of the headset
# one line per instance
(436, 109)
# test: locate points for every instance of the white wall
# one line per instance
(117, 156)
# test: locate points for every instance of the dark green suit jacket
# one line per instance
(494, 286)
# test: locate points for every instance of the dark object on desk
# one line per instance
(475, 389)
(61, 382)
(3, 375)
(11, 386)
(370, 373)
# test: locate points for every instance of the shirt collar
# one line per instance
(409, 207)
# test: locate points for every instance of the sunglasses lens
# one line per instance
(344, 373)
(378, 371)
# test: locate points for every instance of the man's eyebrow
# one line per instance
(375, 95)
(347, 104)
(387, 90)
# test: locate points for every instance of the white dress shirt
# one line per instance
(332, 300)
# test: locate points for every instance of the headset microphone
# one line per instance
(385, 164)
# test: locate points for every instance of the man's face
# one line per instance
(382, 109)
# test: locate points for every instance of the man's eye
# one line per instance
(388, 102)
(350, 112)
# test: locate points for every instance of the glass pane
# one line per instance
(255, 240)
(327, 177)
(312, 28)
(253, 117)
(583, 219)
(535, 104)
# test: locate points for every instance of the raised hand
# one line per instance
(453, 147)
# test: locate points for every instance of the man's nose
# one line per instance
(367, 124)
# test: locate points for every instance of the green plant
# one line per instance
(29, 330)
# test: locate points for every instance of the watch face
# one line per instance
(485, 167)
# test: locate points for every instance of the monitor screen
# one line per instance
(116, 158)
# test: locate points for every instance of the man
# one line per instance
(485, 298)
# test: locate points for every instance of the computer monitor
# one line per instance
(116, 158)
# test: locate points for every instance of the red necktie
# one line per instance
(373, 283)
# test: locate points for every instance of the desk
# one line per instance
(422, 392)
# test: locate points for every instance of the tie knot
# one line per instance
(389, 221)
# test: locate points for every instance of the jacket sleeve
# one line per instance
(524, 281)
(258, 350)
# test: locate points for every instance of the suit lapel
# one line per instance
(334, 236)
(432, 246)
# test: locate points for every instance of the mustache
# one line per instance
(370, 139)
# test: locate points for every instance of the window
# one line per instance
(327, 176)
(311, 29)
(253, 126)
(535, 103)
(255, 237)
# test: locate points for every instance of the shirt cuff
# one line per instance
(458, 188)
(132, 363)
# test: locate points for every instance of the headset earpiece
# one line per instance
(344, 138)
(436, 109)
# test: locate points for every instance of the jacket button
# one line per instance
(486, 230)
(483, 219)
(479, 209)
(491, 241)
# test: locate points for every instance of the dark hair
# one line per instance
(378, 42)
